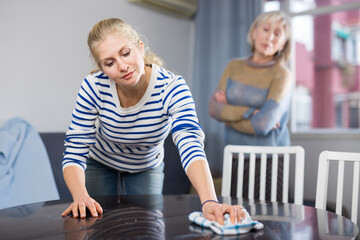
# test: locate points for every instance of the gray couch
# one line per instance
(175, 182)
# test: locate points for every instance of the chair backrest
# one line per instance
(265, 152)
(322, 182)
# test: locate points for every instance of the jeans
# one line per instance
(102, 180)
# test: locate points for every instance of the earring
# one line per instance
(278, 53)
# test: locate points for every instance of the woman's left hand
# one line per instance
(220, 96)
(214, 211)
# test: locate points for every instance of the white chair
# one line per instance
(288, 153)
(322, 182)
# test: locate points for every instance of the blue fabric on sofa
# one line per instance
(25, 171)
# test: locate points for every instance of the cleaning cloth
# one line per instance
(246, 225)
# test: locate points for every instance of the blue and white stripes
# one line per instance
(246, 225)
(131, 139)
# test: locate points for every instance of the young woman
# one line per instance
(122, 116)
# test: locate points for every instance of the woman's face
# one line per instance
(269, 37)
(121, 60)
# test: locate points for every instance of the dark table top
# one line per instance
(166, 217)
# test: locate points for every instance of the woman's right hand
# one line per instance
(79, 207)
(75, 180)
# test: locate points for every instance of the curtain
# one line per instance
(221, 29)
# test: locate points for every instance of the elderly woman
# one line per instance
(253, 96)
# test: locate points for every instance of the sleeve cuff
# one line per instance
(248, 113)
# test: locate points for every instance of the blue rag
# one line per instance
(228, 228)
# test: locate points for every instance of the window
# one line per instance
(326, 63)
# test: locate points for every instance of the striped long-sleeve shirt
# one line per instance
(132, 139)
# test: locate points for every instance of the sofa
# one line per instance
(175, 182)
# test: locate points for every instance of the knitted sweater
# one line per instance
(249, 87)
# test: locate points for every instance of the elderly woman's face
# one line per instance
(269, 37)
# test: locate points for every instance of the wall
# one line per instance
(44, 54)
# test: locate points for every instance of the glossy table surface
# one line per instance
(166, 217)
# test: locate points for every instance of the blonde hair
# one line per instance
(102, 29)
(284, 54)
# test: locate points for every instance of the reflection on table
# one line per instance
(165, 217)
